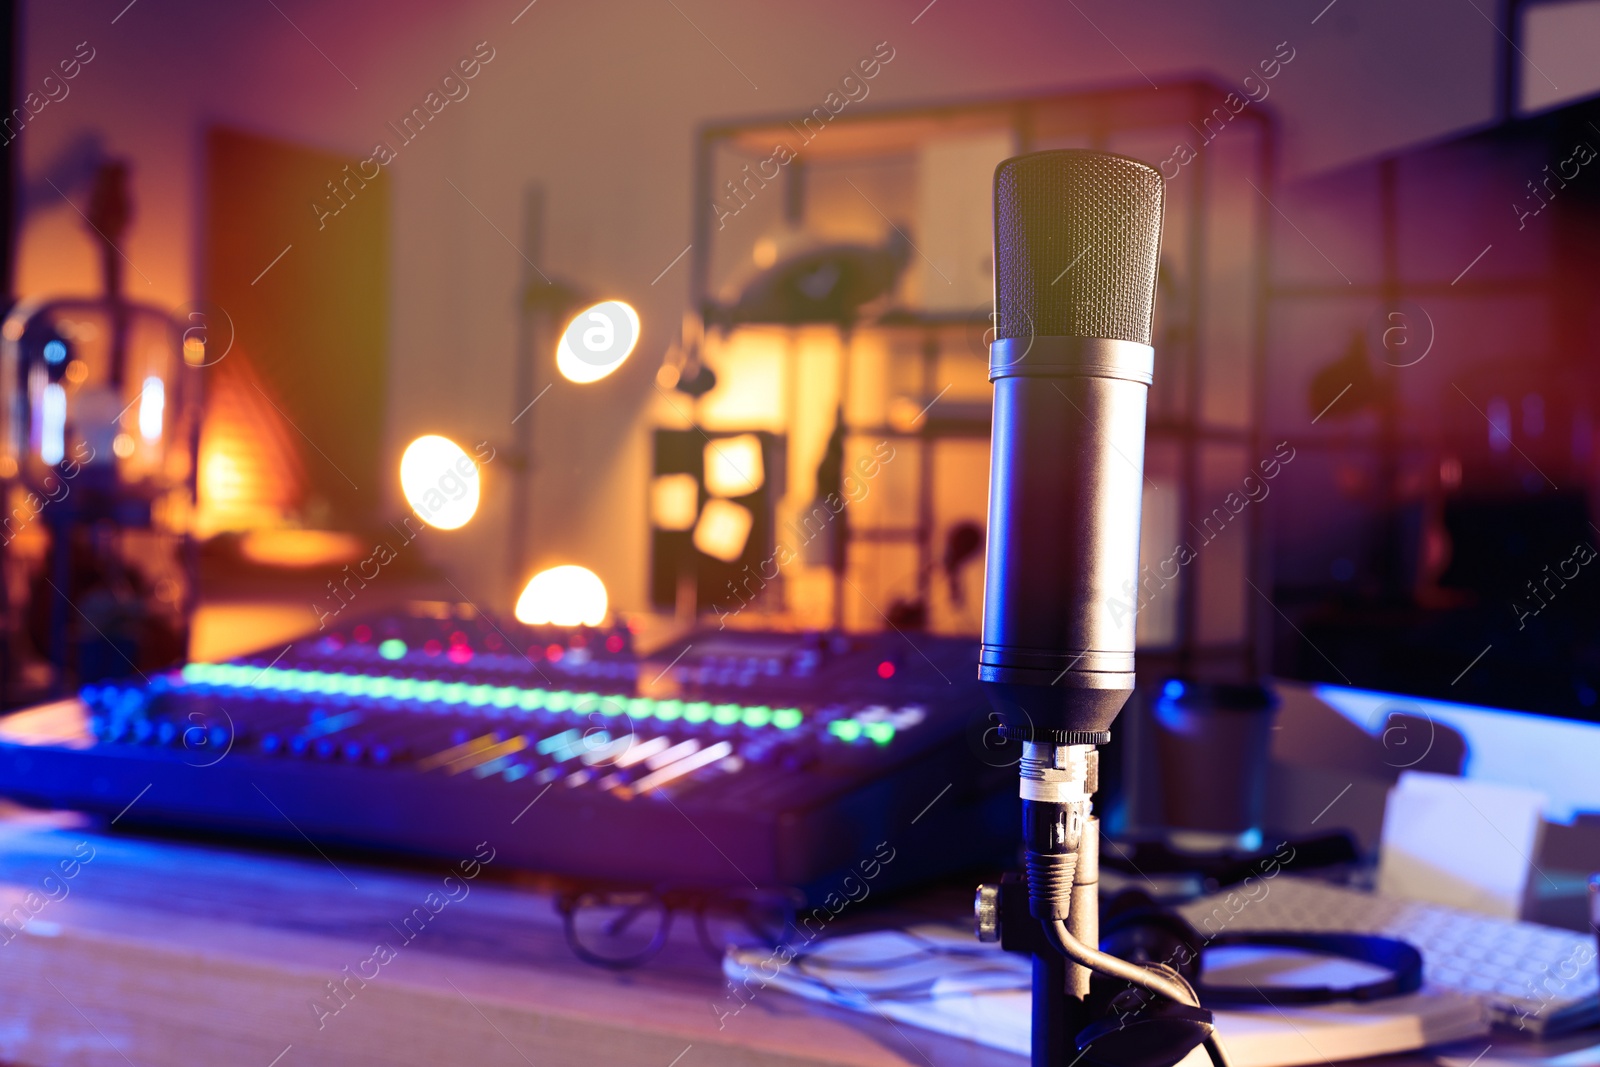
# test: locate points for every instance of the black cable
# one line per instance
(1173, 988)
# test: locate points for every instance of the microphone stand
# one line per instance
(1060, 985)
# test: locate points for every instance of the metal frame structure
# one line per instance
(1095, 119)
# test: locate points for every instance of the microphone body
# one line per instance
(1065, 486)
(1077, 241)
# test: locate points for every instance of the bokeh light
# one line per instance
(567, 595)
(440, 481)
(597, 341)
(733, 465)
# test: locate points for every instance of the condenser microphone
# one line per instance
(1076, 244)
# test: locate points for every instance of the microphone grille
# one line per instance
(1077, 237)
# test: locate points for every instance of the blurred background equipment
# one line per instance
(721, 759)
(99, 432)
(1214, 742)
(842, 304)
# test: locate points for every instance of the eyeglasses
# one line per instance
(623, 928)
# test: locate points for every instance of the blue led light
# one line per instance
(565, 739)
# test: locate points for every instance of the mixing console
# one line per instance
(724, 758)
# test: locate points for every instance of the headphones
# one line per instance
(1136, 1028)
(1134, 927)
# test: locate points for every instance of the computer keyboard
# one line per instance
(1535, 978)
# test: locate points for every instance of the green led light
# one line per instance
(845, 729)
(193, 672)
(667, 710)
(699, 711)
(586, 703)
(478, 695)
(405, 689)
(612, 706)
(360, 685)
(881, 732)
(641, 707)
(787, 718)
(504, 697)
(430, 691)
(384, 687)
(757, 716)
(393, 648)
(531, 699)
(455, 692)
(558, 700)
(726, 714)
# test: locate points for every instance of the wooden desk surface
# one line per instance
(160, 952)
(155, 952)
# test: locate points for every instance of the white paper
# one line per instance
(1461, 843)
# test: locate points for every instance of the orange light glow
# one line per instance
(568, 595)
(440, 481)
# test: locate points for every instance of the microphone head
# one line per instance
(1077, 236)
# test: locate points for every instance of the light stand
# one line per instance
(543, 306)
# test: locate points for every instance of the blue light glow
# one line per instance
(1558, 757)
(53, 425)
